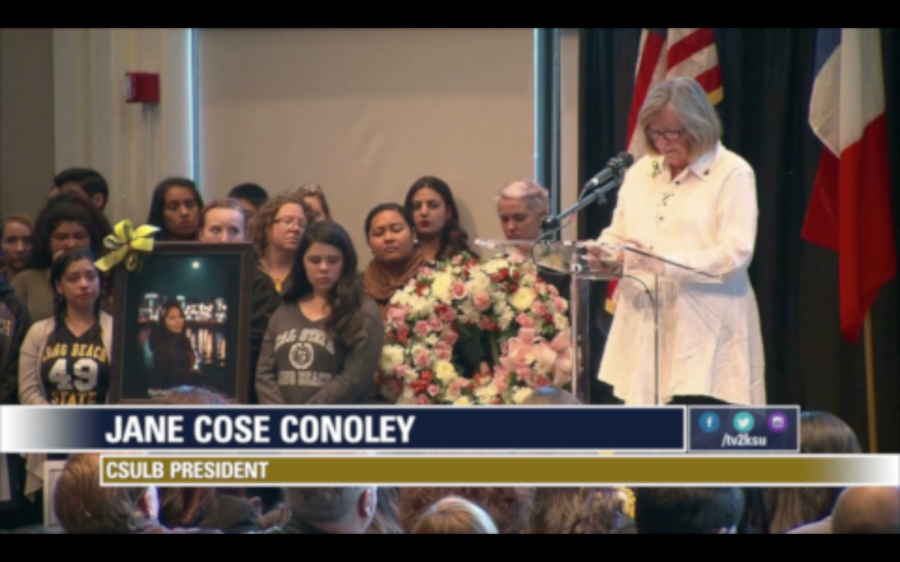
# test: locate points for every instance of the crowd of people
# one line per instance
(689, 199)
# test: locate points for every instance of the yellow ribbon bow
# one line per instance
(126, 243)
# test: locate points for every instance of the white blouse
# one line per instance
(709, 335)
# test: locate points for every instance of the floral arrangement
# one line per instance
(504, 297)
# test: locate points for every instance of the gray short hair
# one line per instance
(322, 505)
(532, 193)
(688, 98)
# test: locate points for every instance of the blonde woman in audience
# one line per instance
(522, 206)
(15, 234)
(222, 221)
(455, 516)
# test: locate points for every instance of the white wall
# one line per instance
(26, 119)
(365, 112)
(132, 145)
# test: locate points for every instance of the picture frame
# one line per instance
(52, 471)
(208, 347)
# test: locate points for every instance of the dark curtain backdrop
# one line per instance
(767, 76)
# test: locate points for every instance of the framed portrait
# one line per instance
(52, 470)
(184, 319)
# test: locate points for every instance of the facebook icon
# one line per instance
(709, 422)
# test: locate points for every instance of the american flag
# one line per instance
(666, 53)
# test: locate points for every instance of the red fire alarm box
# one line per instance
(142, 87)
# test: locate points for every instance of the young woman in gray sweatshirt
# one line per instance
(324, 342)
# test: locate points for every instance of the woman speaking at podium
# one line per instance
(692, 202)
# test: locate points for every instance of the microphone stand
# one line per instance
(552, 223)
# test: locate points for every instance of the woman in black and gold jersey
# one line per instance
(65, 359)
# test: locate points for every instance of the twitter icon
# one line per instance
(743, 422)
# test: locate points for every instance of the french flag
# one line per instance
(850, 209)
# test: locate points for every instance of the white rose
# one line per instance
(501, 306)
(464, 401)
(523, 299)
(561, 321)
(409, 395)
(506, 319)
(521, 396)
(391, 358)
(445, 371)
(441, 288)
(487, 394)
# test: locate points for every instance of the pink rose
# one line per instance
(426, 272)
(516, 258)
(422, 401)
(560, 304)
(421, 359)
(450, 338)
(397, 315)
(455, 388)
(502, 381)
(524, 320)
(433, 390)
(482, 301)
(457, 260)
(422, 328)
(444, 351)
(540, 308)
(541, 381)
(401, 371)
(459, 290)
(525, 374)
(403, 334)
(435, 324)
(447, 314)
(553, 290)
(486, 324)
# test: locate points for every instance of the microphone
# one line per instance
(611, 171)
(593, 191)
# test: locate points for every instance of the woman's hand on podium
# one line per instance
(643, 263)
(598, 258)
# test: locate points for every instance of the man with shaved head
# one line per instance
(867, 511)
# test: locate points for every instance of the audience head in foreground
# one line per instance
(330, 511)
(85, 508)
(688, 511)
(455, 516)
(867, 511)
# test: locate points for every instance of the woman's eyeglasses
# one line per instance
(668, 135)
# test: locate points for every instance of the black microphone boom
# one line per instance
(611, 171)
(594, 190)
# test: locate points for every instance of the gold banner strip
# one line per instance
(246, 471)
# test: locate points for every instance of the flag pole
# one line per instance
(870, 384)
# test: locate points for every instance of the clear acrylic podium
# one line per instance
(586, 263)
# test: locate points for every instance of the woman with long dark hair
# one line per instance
(436, 217)
(66, 223)
(174, 358)
(324, 341)
(175, 210)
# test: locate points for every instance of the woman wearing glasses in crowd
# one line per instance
(693, 202)
(276, 230)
